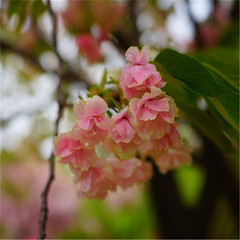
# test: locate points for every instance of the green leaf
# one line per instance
(227, 104)
(204, 80)
(228, 107)
(224, 58)
(186, 101)
(113, 103)
(16, 7)
(219, 76)
(109, 113)
(112, 81)
(231, 131)
(231, 35)
(104, 80)
(37, 8)
(190, 72)
(190, 181)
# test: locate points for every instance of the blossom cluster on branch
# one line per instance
(106, 152)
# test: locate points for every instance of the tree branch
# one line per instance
(198, 37)
(61, 103)
(68, 72)
(133, 16)
(171, 214)
(127, 37)
(219, 173)
(178, 220)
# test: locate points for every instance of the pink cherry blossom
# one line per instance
(154, 104)
(130, 171)
(173, 158)
(90, 112)
(153, 114)
(152, 129)
(92, 125)
(173, 111)
(150, 105)
(95, 183)
(139, 76)
(72, 151)
(136, 57)
(123, 131)
(171, 139)
(122, 148)
(142, 172)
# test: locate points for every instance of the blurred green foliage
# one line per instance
(190, 181)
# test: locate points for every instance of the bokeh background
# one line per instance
(29, 108)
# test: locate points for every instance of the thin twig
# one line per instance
(133, 16)
(61, 102)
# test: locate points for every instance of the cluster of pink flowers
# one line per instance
(104, 153)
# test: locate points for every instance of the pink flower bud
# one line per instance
(139, 76)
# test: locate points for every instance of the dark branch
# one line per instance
(217, 166)
(178, 220)
(127, 37)
(170, 212)
(198, 37)
(61, 103)
(10, 48)
(133, 16)
(68, 73)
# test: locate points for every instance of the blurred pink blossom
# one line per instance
(19, 215)
(173, 158)
(89, 47)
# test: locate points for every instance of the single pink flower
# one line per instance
(139, 76)
(123, 130)
(95, 183)
(72, 151)
(122, 149)
(153, 114)
(92, 125)
(89, 47)
(173, 158)
(152, 129)
(150, 105)
(141, 172)
(145, 149)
